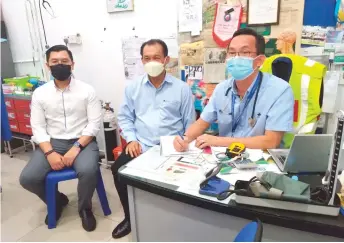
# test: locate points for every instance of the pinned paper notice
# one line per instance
(194, 72)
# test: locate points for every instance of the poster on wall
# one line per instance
(194, 72)
(133, 66)
(131, 57)
(214, 65)
(314, 35)
(119, 5)
(263, 12)
(192, 53)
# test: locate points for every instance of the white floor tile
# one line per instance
(72, 231)
(23, 213)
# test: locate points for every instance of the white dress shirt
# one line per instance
(64, 114)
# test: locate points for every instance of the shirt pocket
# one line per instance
(169, 109)
(259, 126)
(224, 117)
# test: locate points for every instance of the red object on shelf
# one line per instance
(25, 128)
(11, 115)
(9, 103)
(18, 111)
(23, 116)
(14, 126)
(22, 104)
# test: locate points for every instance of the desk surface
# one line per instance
(326, 225)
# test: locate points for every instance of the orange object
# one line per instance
(117, 152)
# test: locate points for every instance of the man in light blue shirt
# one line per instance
(252, 107)
(157, 104)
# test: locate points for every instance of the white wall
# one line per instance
(99, 59)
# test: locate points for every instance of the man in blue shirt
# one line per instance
(157, 104)
(252, 107)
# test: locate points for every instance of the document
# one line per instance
(214, 65)
(331, 82)
(194, 72)
(262, 12)
(154, 158)
(190, 15)
(167, 148)
(133, 66)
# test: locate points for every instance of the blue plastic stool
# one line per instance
(51, 182)
(252, 232)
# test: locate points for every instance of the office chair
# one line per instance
(252, 232)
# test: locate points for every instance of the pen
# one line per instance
(180, 136)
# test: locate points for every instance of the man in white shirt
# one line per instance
(65, 118)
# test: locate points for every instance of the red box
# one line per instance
(9, 103)
(11, 115)
(14, 126)
(25, 127)
(22, 104)
(23, 116)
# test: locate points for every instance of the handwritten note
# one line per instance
(190, 16)
(262, 12)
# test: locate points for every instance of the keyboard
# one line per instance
(282, 158)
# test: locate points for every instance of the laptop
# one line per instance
(307, 153)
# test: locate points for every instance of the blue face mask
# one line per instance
(240, 67)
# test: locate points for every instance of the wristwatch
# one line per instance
(78, 145)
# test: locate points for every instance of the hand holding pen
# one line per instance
(180, 144)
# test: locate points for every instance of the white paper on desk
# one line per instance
(190, 16)
(330, 91)
(148, 161)
(167, 149)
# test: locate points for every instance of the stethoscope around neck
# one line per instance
(260, 79)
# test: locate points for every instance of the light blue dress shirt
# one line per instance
(148, 112)
(274, 108)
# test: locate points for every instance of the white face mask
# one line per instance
(154, 68)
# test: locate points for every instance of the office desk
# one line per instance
(160, 212)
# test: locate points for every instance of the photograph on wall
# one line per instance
(120, 5)
(192, 53)
(314, 35)
(214, 65)
(334, 38)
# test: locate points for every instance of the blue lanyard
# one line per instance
(256, 86)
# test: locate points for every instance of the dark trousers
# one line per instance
(120, 186)
(33, 176)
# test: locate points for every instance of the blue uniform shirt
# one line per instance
(274, 108)
(148, 112)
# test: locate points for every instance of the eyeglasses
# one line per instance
(240, 53)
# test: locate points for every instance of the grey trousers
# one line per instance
(86, 166)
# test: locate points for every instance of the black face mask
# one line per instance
(61, 72)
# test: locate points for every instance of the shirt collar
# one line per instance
(167, 79)
(235, 89)
(69, 87)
